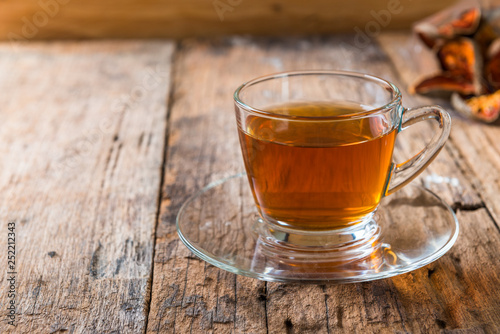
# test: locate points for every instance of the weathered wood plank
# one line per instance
(364, 308)
(475, 144)
(457, 292)
(46, 19)
(296, 309)
(81, 142)
(460, 290)
(203, 146)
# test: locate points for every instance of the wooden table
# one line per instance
(100, 144)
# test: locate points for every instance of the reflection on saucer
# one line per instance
(317, 266)
(411, 228)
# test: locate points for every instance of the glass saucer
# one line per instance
(220, 224)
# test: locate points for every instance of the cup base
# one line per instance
(411, 228)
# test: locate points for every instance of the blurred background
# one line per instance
(70, 19)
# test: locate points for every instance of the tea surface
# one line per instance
(317, 175)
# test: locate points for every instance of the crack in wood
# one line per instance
(288, 326)
(106, 164)
(327, 313)
(430, 271)
(195, 298)
(150, 136)
(441, 323)
(117, 157)
(392, 292)
(94, 262)
(473, 184)
(466, 207)
(235, 299)
(169, 104)
(141, 138)
(121, 259)
(265, 307)
(37, 293)
(340, 315)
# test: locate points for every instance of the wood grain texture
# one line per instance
(82, 144)
(454, 294)
(81, 140)
(49, 19)
(192, 296)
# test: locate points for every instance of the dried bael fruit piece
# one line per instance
(461, 19)
(460, 58)
(443, 84)
(465, 24)
(485, 107)
(463, 43)
(461, 69)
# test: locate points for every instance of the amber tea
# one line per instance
(315, 174)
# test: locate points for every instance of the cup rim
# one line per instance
(395, 100)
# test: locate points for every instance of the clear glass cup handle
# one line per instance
(405, 172)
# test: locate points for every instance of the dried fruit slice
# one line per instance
(428, 34)
(485, 107)
(461, 19)
(443, 83)
(460, 58)
(461, 65)
(465, 24)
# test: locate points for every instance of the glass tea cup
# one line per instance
(317, 148)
